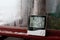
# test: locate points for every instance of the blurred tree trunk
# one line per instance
(39, 7)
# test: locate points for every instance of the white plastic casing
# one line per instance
(37, 32)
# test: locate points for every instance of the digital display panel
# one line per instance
(37, 22)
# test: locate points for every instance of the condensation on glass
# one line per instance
(51, 6)
(16, 12)
(53, 10)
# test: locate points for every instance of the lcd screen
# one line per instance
(37, 22)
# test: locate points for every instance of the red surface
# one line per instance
(13, 29)
(7, 31)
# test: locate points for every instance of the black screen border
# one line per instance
(31, 28)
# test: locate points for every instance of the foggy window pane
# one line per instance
(9, 10)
